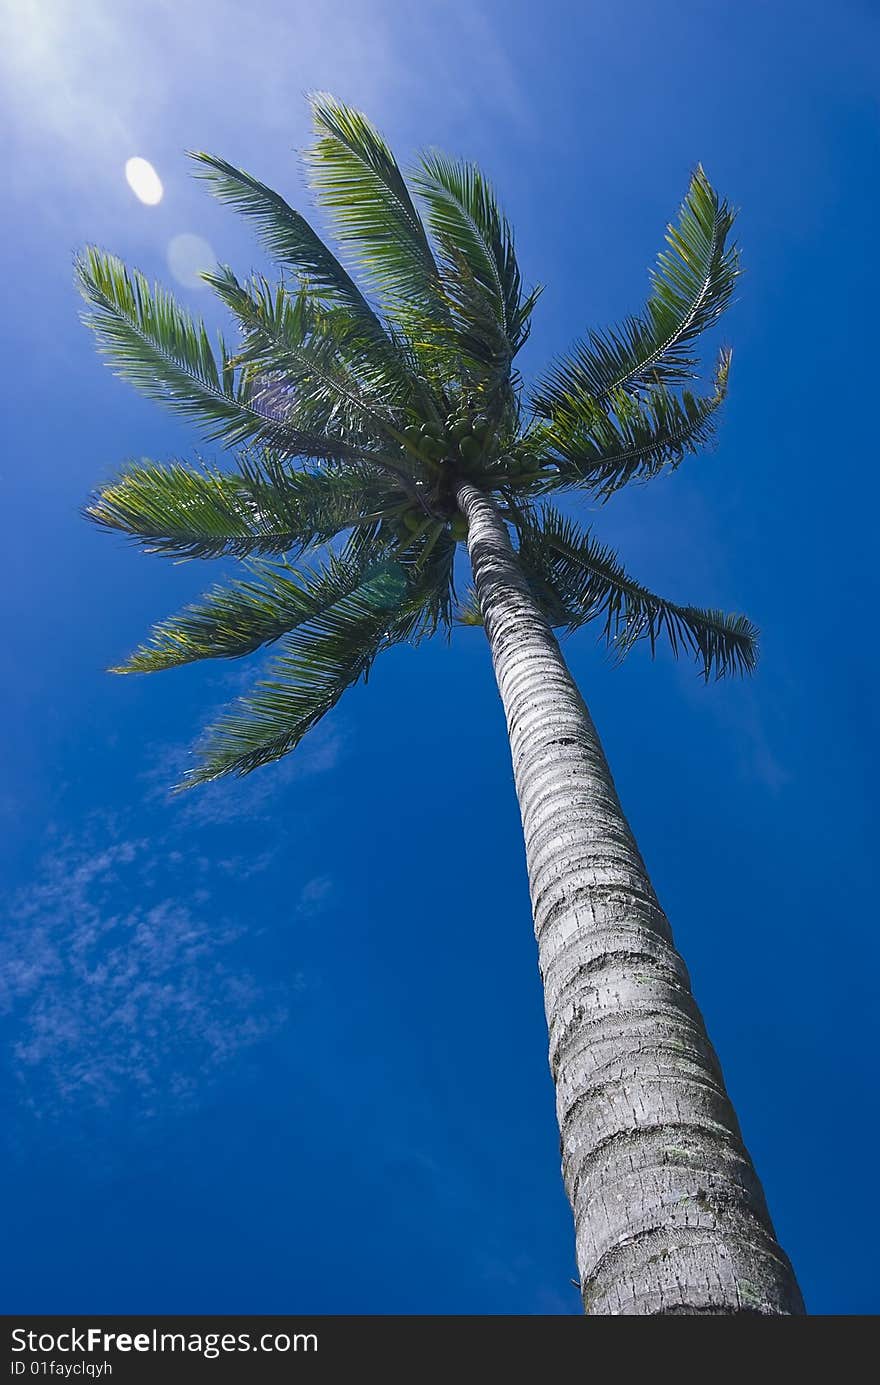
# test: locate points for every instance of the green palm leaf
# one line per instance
(149, 340)
(690, 287)
(335, 649)
(305, 361)
(468, 610)
(577, 579)
(642, 437)
(290, 239)
(356, 177)
(238, 618)
(480, 271)
(192, 512)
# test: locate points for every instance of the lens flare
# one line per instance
(187, 256)
(144, 181)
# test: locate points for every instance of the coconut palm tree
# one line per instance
(376, 426)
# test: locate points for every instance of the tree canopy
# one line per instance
(354, 398)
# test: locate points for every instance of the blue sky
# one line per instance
(280, 1046)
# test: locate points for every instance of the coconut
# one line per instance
(470, 449)
(481, 426)
(434, 448)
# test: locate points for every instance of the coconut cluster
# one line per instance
(464, 443)
(463, 440)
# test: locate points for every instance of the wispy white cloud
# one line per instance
(126, 975)
(251, 798)
(118, 993)
(315, 896)
(244, 867)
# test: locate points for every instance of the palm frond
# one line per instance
(690, 287)
(355, 176)
(200, 512)
(149, 340)
(304, 365)
(237, 618)
(335, 649)
(577, 579)
(468, 611)
(637, 440)
(480, 269)
(290, 239)
(434, 583)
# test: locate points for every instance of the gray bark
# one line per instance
(669, 1214)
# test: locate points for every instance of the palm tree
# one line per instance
(377, 428)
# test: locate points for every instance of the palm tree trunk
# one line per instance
(669, 1214)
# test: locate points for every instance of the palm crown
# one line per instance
(356, 410)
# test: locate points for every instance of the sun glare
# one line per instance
(144, 181)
